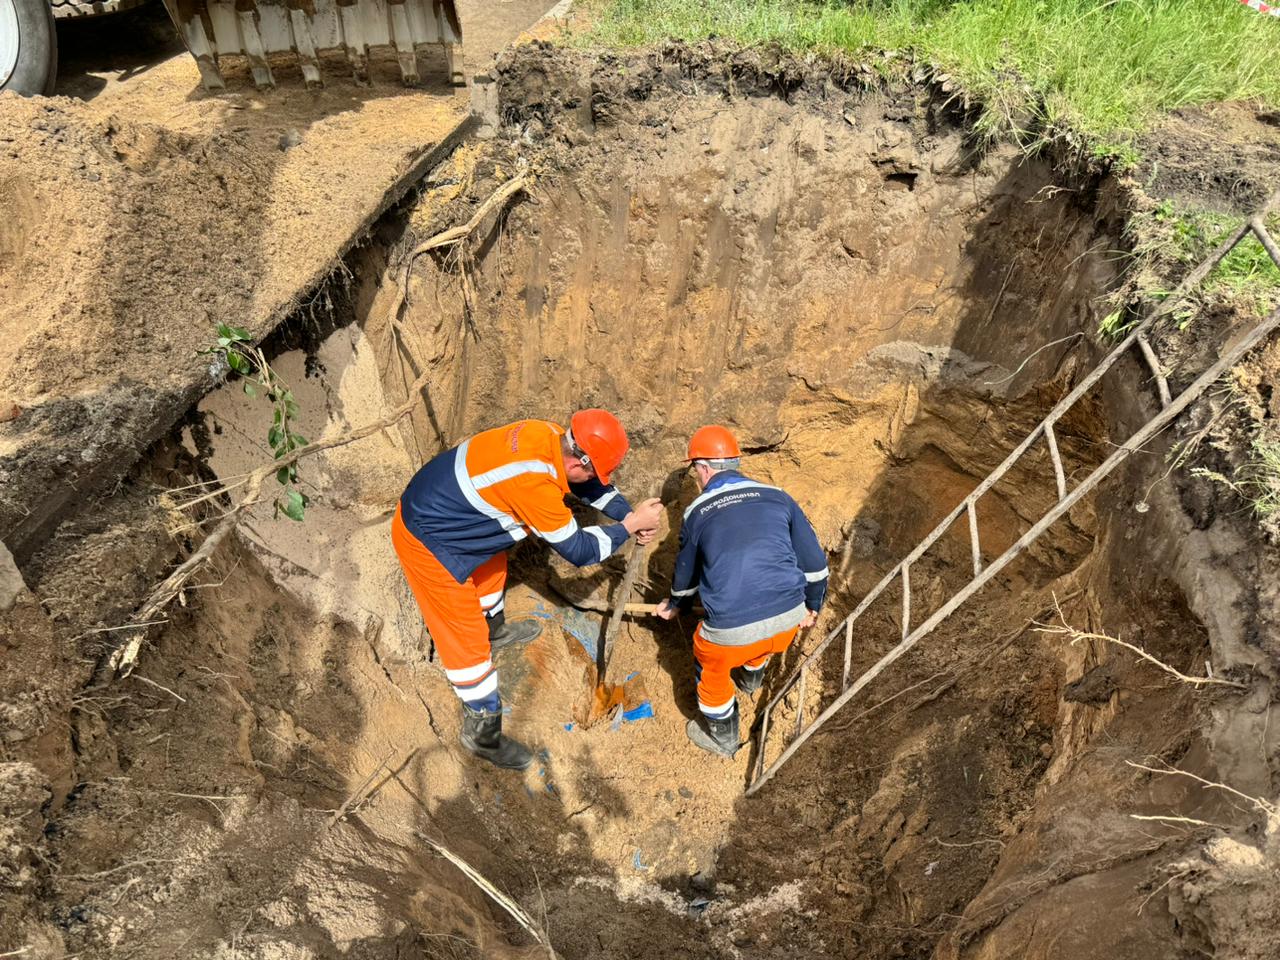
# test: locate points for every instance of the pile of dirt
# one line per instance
(126, 242)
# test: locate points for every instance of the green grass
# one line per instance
(1106, 69)
(1170, 240)
(1184, 237)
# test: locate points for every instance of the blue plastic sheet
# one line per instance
(642, 712)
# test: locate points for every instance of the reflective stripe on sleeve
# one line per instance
(509, 470)
(725, 487)
(560, 535)
(606, 545)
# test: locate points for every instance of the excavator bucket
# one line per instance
(259, 30)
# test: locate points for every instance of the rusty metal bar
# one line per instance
(402, 38)
(974, 546)
(353, 41)
(305, 44)
(1162, 384)
(251, 40)
(1059, 475)
(449, 25)
(1153, 427)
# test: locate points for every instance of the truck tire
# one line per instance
(28, 47)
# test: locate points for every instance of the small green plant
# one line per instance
(1258, 481)
(1116, 324)
(1169, 239)
(1121, 156)
(234, 345)
(1191, 235)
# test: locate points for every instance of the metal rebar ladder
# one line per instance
(1170, 406)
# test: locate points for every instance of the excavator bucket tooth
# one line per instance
(264, 31)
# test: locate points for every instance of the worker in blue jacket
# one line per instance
(750, 553)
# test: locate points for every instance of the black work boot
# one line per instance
(503, 634)
(482, 735)
(717, 736)
(748, 681)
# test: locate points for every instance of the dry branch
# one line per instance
(1172, 819)
(494, 894)
(159, 686)
(122, 659)
(1065, 629)
(358, 792)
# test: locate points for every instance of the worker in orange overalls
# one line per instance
(751, 554)
(464, 509)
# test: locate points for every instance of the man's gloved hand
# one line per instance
(642, 522)
(665, 610)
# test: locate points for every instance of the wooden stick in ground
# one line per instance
(122, 658)
(358, 792)
(605, 651)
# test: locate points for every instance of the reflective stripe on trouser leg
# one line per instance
(491, 581)
(716, 711)
(476, 686)
(453, 616)
(713, 662)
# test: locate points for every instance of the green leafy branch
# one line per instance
(234, 345)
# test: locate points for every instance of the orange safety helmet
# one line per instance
(713, 443)
(599, 435)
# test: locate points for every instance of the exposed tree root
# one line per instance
(1065, 629)
(456, 235)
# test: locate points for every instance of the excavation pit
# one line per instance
(880, 312)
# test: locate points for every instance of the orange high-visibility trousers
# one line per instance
(714, 661)
(455, 614)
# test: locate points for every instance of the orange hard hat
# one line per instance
(599, 435)
(713, 443)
